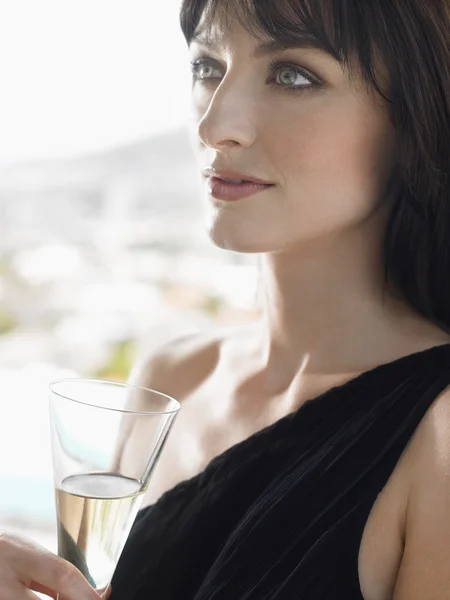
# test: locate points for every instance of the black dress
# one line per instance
(280, 515)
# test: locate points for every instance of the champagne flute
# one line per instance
(97, 493)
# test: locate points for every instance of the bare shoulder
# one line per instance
(430, 448)
(425, 567)
(179, 366)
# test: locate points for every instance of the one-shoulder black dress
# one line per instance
(280, 515)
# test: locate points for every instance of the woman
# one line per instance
(311, 458)
(342, 111)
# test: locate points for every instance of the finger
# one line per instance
(18, 593)
(106, 595)
(34, 564)
(42, 589)
(28, 596)
(54, 574)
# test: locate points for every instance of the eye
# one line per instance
(285, 76)
(203, 69)
(292, 77)
(289, 76)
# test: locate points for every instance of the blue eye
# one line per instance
(203, 70)
(288, 75)
(284, 76)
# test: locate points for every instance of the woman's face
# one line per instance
(324, 141)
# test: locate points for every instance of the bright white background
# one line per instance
(76, 76)
(80, 75)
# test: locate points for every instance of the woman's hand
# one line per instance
(26, 566)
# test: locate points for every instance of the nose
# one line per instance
(230, 117)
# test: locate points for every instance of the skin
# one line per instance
(326, 314)
(330, 151)
(25, 566)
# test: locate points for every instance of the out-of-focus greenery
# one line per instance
(212, 305)
(7, 321)
(120, 362)
(9, 273)
(5, 266)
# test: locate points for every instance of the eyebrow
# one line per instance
(268, 47)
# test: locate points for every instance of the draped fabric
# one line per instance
(281, 514)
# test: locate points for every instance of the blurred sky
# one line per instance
(82, 75)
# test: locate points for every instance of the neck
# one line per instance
(327, 311)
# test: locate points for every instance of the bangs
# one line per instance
(399, 49)
(338, 27)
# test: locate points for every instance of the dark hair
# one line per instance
(411, 39)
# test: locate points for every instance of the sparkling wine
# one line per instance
(95, 513)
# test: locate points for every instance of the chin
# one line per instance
(239, 240)
(247, 229)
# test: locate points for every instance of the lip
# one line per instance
(231, 192)
(213, 172)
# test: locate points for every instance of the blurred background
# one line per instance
(103, 254)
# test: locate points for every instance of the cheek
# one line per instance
(337, 160)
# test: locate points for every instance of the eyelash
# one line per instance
(274, 67)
